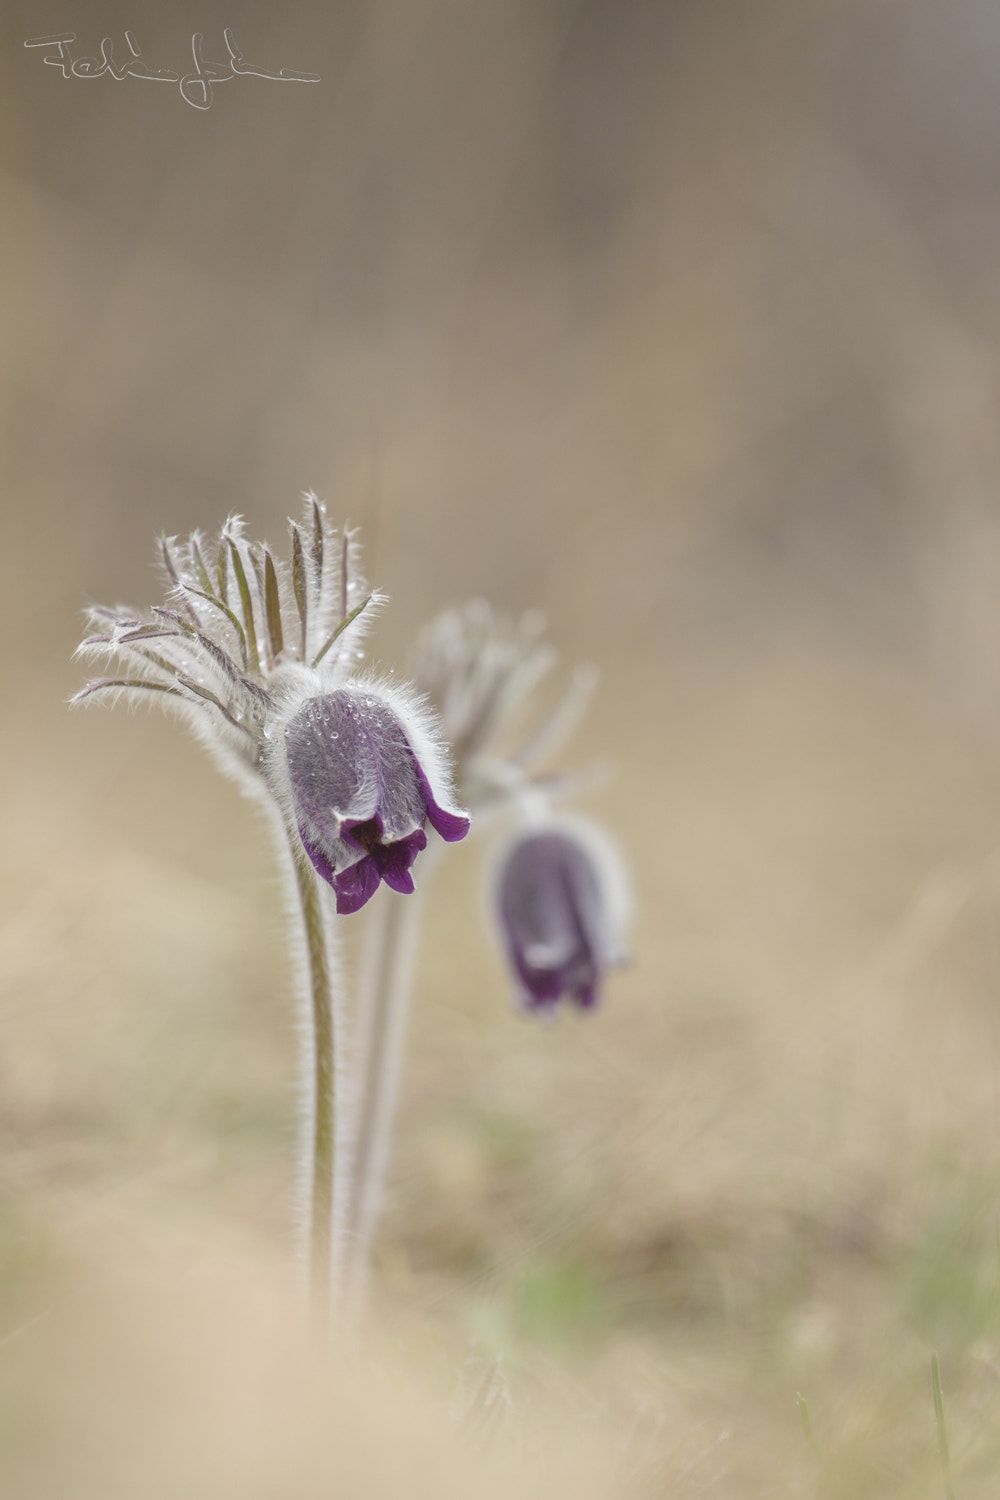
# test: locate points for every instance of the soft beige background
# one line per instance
(681, 321)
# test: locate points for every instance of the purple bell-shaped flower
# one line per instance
(363, 786)
(561, 904)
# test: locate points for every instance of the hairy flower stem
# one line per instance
(324, 1145)
(391, 943)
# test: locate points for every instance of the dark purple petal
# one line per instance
(451, 826)
(356, 885)
(398, 878)
(550, 911)
(394, 861)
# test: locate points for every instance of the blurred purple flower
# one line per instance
(561, 906)
(361, 793)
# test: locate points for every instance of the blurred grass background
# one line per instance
(681, 321)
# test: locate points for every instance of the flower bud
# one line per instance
(361, 795)
(561, 909)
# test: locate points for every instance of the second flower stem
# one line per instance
(391, 943)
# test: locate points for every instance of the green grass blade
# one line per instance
(806, 1421)
(942, 1431)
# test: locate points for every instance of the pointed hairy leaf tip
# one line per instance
(247, 605)
(317, 538)
(299, 583)
(175, 616)
(220, 571)
(347, 620)
(345, 557)
(166, 548)
(144, 632)
(168, 561)
(129, 683)
(272, 605)
(199, 563)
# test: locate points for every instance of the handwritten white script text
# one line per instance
(196, 86)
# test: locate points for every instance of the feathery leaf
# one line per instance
(300, 584)
(347, 620)
(272, 606)
(246, 601)
(123, 682)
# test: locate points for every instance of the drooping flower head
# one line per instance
(561, 907)
(560, 892)
(362, 792)
(260, 656)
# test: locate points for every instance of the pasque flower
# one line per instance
(561, 904)
(560, 897)
(260, 658)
